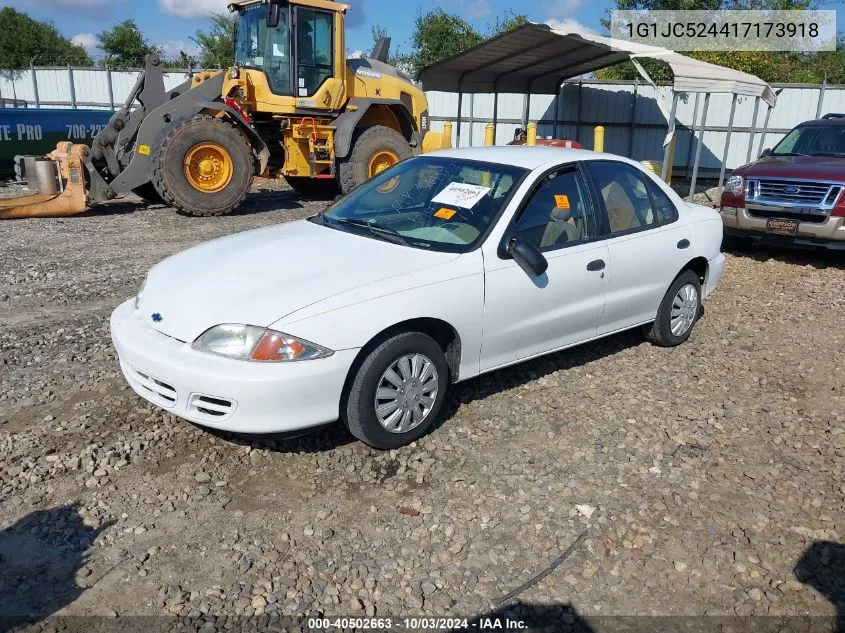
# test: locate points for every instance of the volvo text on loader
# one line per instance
(291, 106)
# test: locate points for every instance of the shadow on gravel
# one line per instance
(817, 258)
(524, 616)
(39, 558)
(262, 201)
(822, 567)
(319, 439)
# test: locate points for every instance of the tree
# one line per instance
(438, 35)
(217, 45)
(24, 40)
(125, 46)
(508, 22)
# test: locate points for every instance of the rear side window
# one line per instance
(626, 196)
(666, 211)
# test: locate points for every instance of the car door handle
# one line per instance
(683, 244)
(596, 265)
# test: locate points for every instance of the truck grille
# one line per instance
(793, 192)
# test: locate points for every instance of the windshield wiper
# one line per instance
(383, 232)
(789, 154)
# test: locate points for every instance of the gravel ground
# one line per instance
(708, 478)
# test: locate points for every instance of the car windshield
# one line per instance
(813, 140)
(444, 204)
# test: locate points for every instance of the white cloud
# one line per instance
(570, 25)
(192, 8)
(172, 48)
(88, 41)
(563, 7)
(477, 8)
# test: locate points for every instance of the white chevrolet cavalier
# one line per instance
(447, 266)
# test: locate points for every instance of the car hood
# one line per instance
(804, 167)
(260, 276)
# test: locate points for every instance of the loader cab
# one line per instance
(293, 44)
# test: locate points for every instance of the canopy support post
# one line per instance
(557, 109)
(526, 109)
(495, 115)
(765, 130)
(634, 99)
(460, 115)
(692, 134)
(578, 111)
(698, 146)
(753, 129)
(670, 135)
(727, 141)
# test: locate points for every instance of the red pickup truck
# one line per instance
(793, 194)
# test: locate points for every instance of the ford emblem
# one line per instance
(792, 189)
(156, 317)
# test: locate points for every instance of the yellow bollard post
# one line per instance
(489, 132)
(531, 136)
(598, 139)
(670, 161)
(447, 131)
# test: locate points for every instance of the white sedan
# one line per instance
(447, 266)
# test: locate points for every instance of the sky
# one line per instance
(171, 23)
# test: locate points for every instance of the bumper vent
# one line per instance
(157, 390)
(210, 408)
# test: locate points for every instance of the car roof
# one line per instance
(528, 157)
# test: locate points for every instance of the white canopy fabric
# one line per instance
(536, 59)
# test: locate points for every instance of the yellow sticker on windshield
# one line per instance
(562, 201)
(445, 214)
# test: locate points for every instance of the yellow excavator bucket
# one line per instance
(59, 183)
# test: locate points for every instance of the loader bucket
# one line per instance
(59, 183)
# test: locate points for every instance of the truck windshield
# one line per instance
(813, 140)
(442, 204)
(262, 48)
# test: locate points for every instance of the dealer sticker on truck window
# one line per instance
(459, 194)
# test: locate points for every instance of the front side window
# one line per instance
(625, 194)
(442, 204)
(263, 48)
(559, 212)
(313, 49)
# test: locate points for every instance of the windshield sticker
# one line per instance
(445, 214)
(562, 201)
(458, 194)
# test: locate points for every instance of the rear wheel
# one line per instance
(398, 391)
(316, 188)
(376, 149)
(678, 312)
(203, 167)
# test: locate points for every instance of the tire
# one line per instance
(354, 170)
(170, 177)
(314, 188)
(359, 412)
(148, 193)
(661, 331)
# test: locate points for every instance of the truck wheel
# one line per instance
(203, 167)
(375, 149)
(316, 188)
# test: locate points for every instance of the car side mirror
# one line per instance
(528, 256)
(766, 152)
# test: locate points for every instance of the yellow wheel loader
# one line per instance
(292, 106)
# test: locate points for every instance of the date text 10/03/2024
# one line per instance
(417, 624)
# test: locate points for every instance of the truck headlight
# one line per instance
(249, 342)
(735, 185)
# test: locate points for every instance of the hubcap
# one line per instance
(684, 310)
(208, 167)
(406, 393)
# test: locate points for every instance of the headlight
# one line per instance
(141, 292)
(248, 342)
(735, 185)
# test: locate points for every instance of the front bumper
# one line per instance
(828, 234)
(222, 393)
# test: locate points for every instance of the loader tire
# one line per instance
(203, 167)
(374, 148)
(314, 188)
(148, 193)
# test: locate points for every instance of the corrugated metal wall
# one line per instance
(629, 111)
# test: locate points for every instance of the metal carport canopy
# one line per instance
(536, 59)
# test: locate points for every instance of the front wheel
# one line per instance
(678, 312)
(397, 391)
